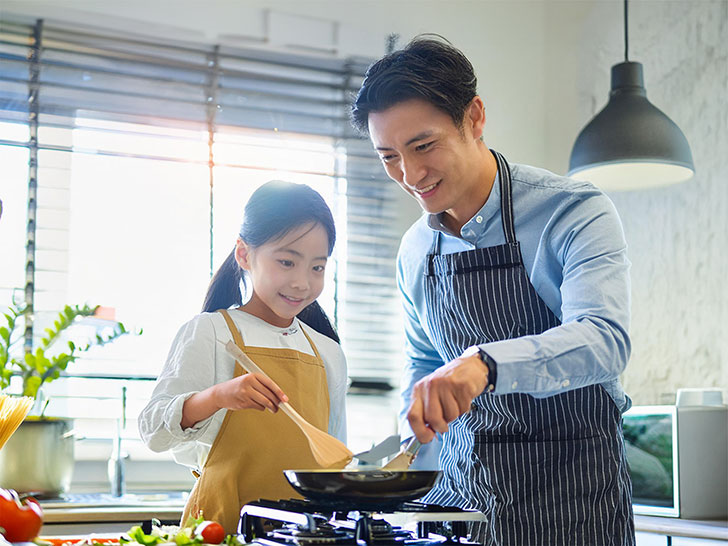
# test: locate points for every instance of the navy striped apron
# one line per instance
(548, 471)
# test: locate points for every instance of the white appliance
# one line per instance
(678, 456)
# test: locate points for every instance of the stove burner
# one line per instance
(312, 523)
(324, 534)
(378, 531)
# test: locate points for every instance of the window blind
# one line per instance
(57, 77)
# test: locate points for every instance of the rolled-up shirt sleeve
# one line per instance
(189, 368)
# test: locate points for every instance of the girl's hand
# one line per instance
(249, 391)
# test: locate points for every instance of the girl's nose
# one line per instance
(300, 281)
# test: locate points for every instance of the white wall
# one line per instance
(543, 70)
(677, 236)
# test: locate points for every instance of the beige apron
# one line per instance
(252, 448)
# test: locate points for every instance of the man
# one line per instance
(516, 295)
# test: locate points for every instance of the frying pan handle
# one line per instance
(413, 446)
(251, 367)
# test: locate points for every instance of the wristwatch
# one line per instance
(492, 369)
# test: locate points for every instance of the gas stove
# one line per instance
(309, 523)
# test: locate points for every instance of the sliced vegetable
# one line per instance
(135, 534)
(195, 531)
(185, 537)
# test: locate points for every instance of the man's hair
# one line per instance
(427, 68)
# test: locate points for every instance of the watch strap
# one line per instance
(492, 369)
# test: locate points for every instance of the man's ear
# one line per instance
(242, 254)
(475, 117)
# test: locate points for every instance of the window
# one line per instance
(146, 154)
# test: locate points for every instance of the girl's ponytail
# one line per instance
(224, 289)
(314, 316)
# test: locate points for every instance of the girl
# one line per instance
(206, 409)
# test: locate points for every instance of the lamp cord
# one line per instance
(626, 35)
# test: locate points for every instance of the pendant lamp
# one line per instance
(630, 144)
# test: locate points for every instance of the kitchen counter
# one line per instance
(688, 528)
(101, 513)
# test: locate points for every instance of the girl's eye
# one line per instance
(319, 268)
(286, 263)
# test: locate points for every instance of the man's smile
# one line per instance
(427, 189)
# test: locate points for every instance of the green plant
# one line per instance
(38, 366)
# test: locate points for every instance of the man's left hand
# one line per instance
(445, 395)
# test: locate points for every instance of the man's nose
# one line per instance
(413, 171)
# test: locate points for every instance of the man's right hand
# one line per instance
(444, 395)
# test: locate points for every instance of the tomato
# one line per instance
(21, 521)
(211, 532)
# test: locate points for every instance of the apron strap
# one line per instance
(434, 251)
(506, 197)
(233, 329)
(236, 337)
(310, 342)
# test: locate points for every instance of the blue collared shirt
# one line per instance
(575, 256)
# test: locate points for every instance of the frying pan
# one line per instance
(363, 487)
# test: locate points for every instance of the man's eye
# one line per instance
(423, 147)
(387, 158)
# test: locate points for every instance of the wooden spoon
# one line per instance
(327, 450)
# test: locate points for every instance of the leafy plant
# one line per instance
(37, 366)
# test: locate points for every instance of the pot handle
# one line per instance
(74, 434)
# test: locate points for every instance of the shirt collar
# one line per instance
(472, 228)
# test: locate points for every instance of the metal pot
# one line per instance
(38, 457)
(363, 487)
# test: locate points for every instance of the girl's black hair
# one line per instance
(273, 210)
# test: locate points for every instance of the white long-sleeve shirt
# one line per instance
(198, 360)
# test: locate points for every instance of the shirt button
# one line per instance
(514, 385)
(479, 219)
(566, 383)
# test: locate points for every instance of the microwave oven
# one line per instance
(678, 460)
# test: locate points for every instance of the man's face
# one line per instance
(428, 156)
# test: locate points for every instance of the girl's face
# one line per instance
(286, 274)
